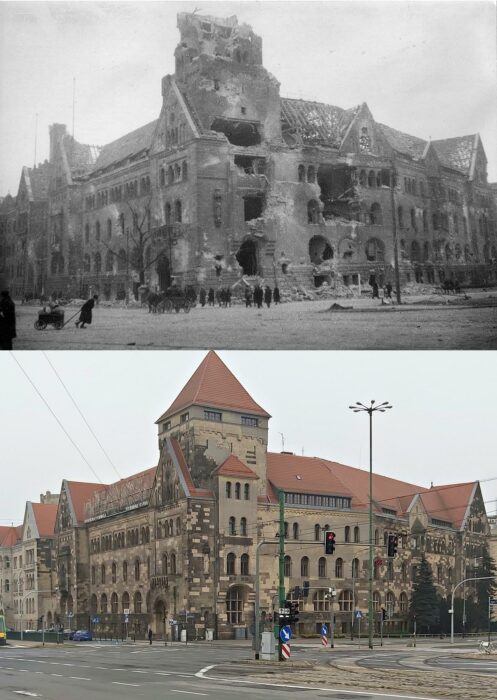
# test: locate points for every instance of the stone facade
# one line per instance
(234, 181)
(178, 543)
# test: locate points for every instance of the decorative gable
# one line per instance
(176, 124)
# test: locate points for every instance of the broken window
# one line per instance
(311, 174)
(320, 250)
(301, 173)
(413, 219)
(167, 212)
(385, 177)
(415, 252)
(363, 178)
(239, 133)
(170, 175)
(247, 257)
(217, 207)
(448, 252)
(178, 213)
(371, 179)
(378, 179)
(365, 141)
(253, 206)
(250, 165)
(375, 214)
(375, 250)
(312, 212)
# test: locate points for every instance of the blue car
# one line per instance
(82, 636)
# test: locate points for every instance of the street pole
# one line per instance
(451, 611)
(281, 590)
(332, 619)
(257, 596)
(359, 407)
(394, 233)
(353, 610)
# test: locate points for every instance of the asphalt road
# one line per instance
(156, 672)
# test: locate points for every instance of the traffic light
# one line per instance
(305, 589)
(284, 614)
(294, 611)
(384, 614)
(393, 541)
(329, 542)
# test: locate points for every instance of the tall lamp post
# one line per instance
(359, 407)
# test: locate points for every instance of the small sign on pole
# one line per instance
(285, 650)
(324, 635)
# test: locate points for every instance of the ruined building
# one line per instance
(176, 544)
(234, 180)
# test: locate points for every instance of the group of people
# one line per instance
(387, 290)
(222, 297)
(261, 296)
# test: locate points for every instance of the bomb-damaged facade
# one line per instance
(175, 545)
(233, 180)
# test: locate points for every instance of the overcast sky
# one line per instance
(426, 68)
(441, 427)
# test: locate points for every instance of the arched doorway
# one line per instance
(163, 271)
(319, 250)
(247, 257)
(160, 618)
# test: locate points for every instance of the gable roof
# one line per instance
(456, 152)
(45, 515)
(232, 466)
(403, 143)
(9, 535)
(127, 146)
(213, 384)
(80, 492)
(316, 122)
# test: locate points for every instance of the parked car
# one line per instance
(81, 636)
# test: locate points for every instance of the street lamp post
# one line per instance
(451, 611)
(359, 407)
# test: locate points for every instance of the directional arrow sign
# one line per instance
(324, 630)
(285, 633)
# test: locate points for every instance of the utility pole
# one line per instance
(393, 176)
(281, 590)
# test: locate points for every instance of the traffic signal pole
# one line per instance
(281, 590)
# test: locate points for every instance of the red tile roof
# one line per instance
(9, 535)
(80, 493)
(45, 515)
(319, 476)
(232, 466)
(212, 384)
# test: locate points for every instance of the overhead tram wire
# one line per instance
(82, 416)
(56, 418)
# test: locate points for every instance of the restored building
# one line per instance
(177, 543)
(8, 538)
(234, 182)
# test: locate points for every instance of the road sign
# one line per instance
(172, 622)
(324, 629)
(95, 620)
(285, 651)
(126, 619)
(285, 633)
(358, 614)
(126, 611)
(492, 601)
(70, 614)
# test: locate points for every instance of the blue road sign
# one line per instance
(285, 633)
(358, 614)
(95, 620)
(324, 630)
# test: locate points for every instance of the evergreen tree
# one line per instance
(486, 588)
(424, 605)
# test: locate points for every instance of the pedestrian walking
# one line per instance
(202, 296)
(268, 296)
(210, 297)
(276, 295)
(228, 296)
(248, 297)
(86, 312)
(376, 291)
(388, 290)
(258, 296)
(150, 635)
(7, 321)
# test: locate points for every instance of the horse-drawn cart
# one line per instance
(54, 318)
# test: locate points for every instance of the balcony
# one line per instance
(161, 582)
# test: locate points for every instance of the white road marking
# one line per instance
(79, 678)
(200, 674)
(190, 692)
(59, 675)
(139, 672)
(135, 685)
(25, 692)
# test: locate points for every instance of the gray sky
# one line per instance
(426, 68)
(441, 427)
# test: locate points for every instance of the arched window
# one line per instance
(243, 527)
(97, 231)
(246, 492)
(103, 603)
(400, 216)
(228, 489)
(363, 178)
(376, 601)
(235, 601)
(321, 601)
(389, 570)
(413, 219)
(403, 603)
(177, 211)
(357, 534)
(137, 569)
(244, 565)
(232, 525)
(184, 170)
(375, 250)
(425, 221)
(93, 575)
(162, 177)
(346, 534)
(125, 601)
(317, 533)
(177, 172)
(304, 566)
(403, 572)
(102, 573)
(121, 260)
(237, 490)
(165, 568)
(137, 602)
(311, 174)
(377, 536)
(448, 252)
(109, 262)
(86, 263)
(167, 211)
(378, 179)
(173, 563)
(285, 532)
(301, 173)
(339, 568)
(114, 572)
(415, 252)
(97, 263)
(230, 564)
(436, 221)
(87, 233)
(295, 531)
(371, 179)
(125, 570)
(390, 602)
(288, 566)
(375, 215)
(355, 568)
(346, 601)
(170, 175)
(322, 567)
(312, 212)
(93, 604)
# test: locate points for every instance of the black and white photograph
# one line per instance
(254, 175)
